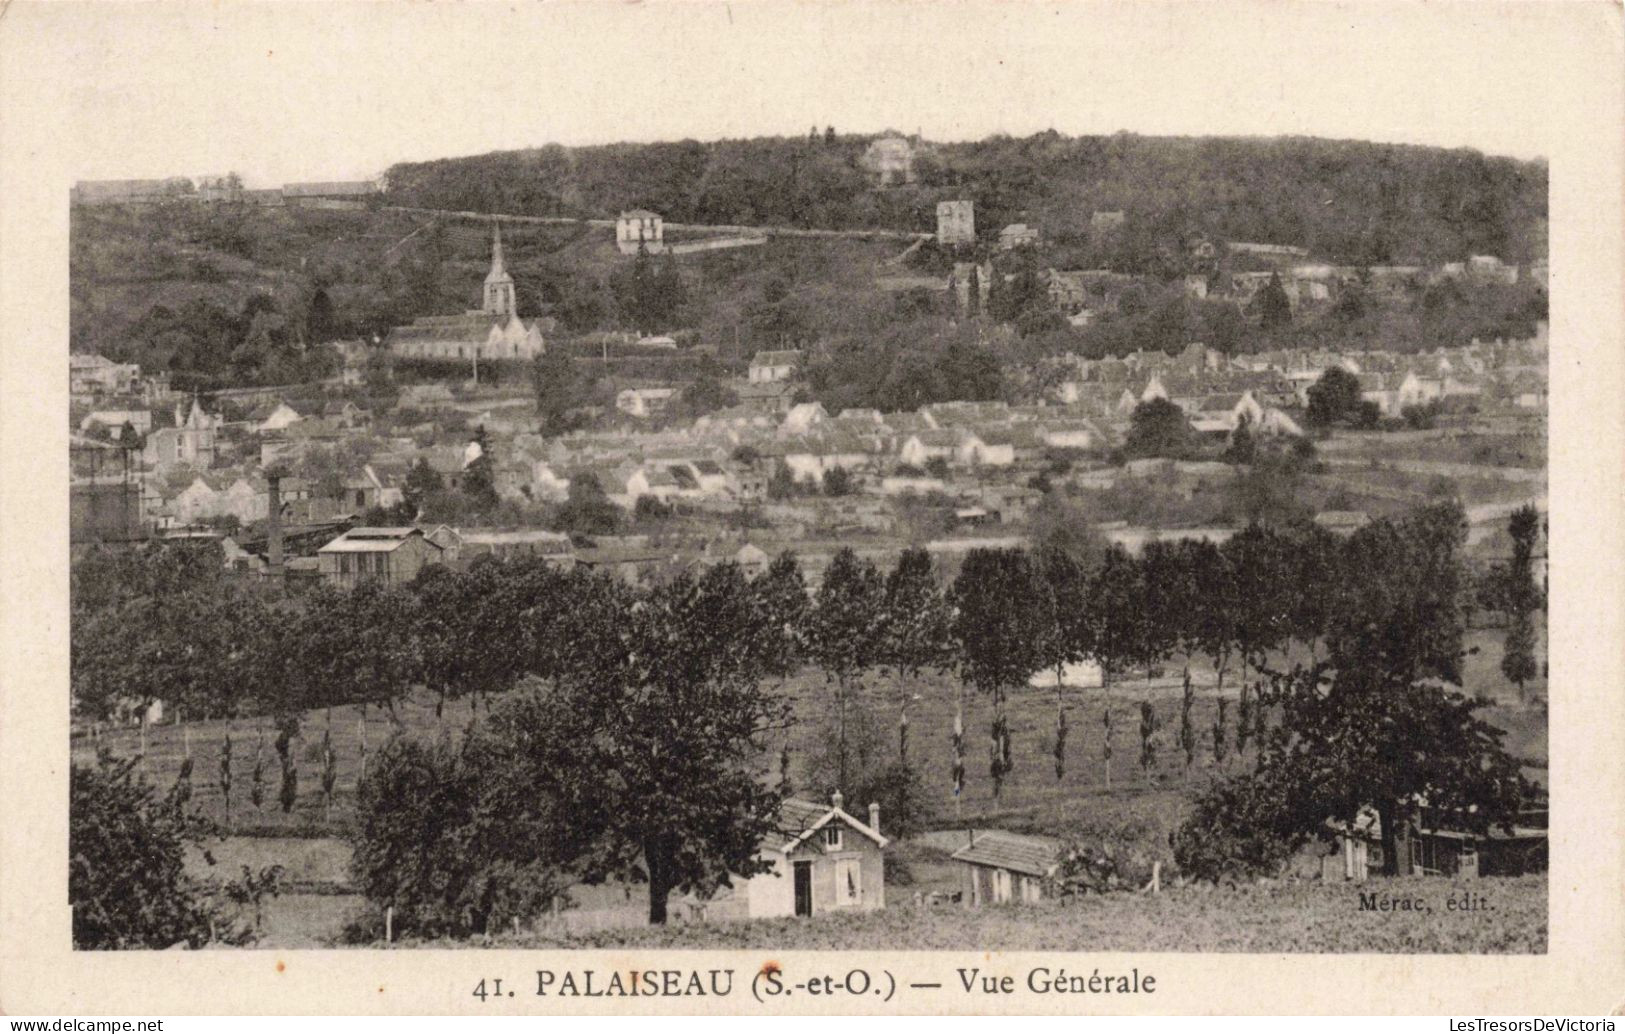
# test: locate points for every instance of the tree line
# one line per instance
(1374, 623)
(167, 622)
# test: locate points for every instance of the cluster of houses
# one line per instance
(1264, 386)
(197, 466)
(1082, 296)
(96, 381)
(201, 467)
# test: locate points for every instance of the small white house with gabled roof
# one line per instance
(823, 860)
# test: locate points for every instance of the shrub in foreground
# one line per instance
(127, 882)
(1236, 830)
(434, 844)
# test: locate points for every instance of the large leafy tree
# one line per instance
(917, 629)
(1379, 724)
(1176, 588)
(1313, 582)
(1118, 591)
(1334, 398)
(160, 623)
(663, 716)
(443, 634)
(338, 647)
(422, 482)
(1212, 626)
(1274, 307)
(1000, 612)
(844, 632)
(1258, 562)
(481, 630)
(1400, 608)
(562, 388)
(1357, 736)
(1158, 428)
(781, 595)
(1168, 593)
(588, 509)
(648, 295)
(458, 838)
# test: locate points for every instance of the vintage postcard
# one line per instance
(775, 508)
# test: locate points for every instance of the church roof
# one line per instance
(470, 328)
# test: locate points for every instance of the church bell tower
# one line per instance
(499, 296)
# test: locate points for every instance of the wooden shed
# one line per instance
(998, 867)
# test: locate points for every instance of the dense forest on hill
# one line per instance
(1350, 202)
(235, 294)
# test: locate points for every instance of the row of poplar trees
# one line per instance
(166, 624)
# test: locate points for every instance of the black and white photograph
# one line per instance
(572, 480)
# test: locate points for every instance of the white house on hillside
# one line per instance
(644, 402)
(275, 417)
(780, 365)
(803, 418)
(639, 228)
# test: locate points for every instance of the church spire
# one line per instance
(499, 293)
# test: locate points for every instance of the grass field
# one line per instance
(1291, 916)
(1524, 449)
(1299, 915)
(1306, 916)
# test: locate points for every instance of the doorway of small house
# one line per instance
(803, 877)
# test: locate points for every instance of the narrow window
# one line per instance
(848, 881)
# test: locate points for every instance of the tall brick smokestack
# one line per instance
(273, 523)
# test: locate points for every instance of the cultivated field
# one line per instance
(1032, 797)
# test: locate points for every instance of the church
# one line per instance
(493, 331)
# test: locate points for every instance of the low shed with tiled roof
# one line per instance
(999, 867)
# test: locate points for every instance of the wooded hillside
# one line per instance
(1346, 201)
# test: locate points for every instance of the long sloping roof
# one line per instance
(372, 540)
(800, 819)
(777, 357)
(1034, 856)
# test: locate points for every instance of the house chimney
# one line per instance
(273, 523)
(874, 816)
(836, 798)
